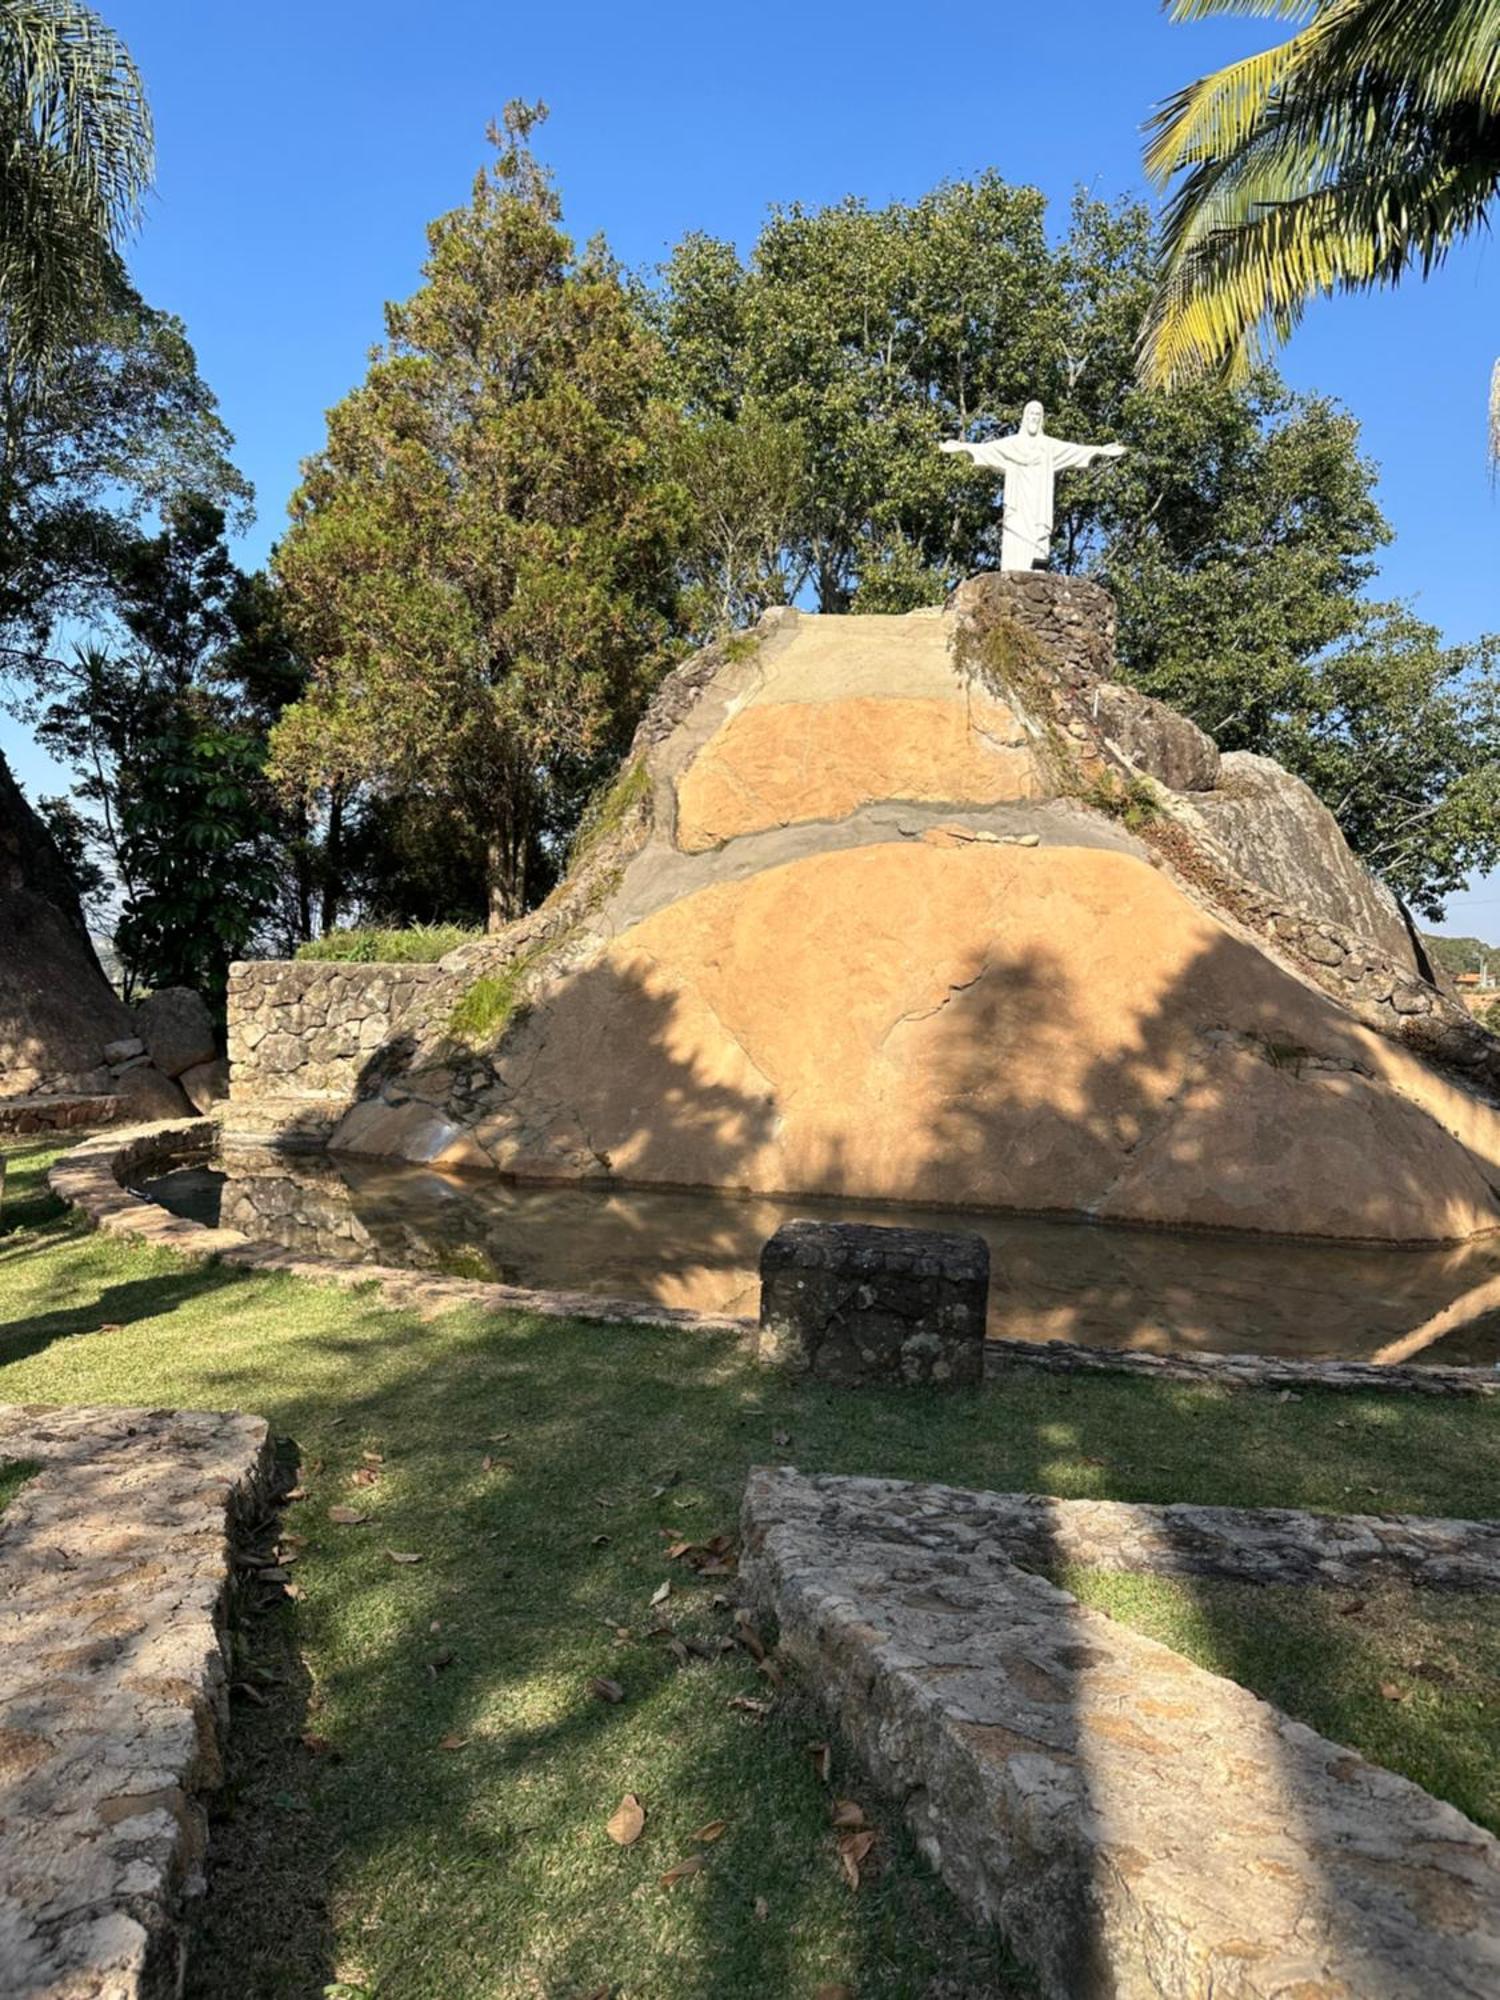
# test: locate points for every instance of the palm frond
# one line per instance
(76, 155)
(1364, 146)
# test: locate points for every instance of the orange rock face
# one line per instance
(871, 940)
(781, 763)
(910, 1022)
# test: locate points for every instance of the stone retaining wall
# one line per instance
(306, 1036)
(1136, 1827)
(113, 1687)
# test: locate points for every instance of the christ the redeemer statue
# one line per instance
(1031, 462)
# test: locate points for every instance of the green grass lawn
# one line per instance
(541, 1470)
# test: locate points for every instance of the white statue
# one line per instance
(1031, 462)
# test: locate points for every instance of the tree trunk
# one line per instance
(333, 861)
(504, 880)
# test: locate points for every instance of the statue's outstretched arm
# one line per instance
(991, 454)
(1068, 457)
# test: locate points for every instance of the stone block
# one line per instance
(205, 1084)
(852, 1303)
(177, 1029)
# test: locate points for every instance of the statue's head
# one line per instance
(1031, 420)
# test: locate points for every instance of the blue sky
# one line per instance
(303, 147)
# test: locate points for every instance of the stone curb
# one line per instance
(115, 1573)
(1135, 1826)
(1269, 1545)
(89, 1178)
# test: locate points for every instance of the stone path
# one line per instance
(114, 1568)
(1138, 1828)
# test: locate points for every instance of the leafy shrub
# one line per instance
(423, 944)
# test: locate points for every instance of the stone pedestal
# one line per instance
(1073, 617)
(852, 1303)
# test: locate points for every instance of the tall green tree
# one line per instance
(76, 159)
(869, 334)
(1361, 148)
(482, 559)
(166, 730)
(120, 427)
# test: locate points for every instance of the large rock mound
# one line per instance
(926, 909)
(63, 1029)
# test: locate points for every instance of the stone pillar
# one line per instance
(852, 1303)
(1073, 618)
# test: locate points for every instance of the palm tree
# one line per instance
(1361, 148)
(75, 162)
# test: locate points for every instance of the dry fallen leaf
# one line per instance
(294, 1493)
(822, 1756)
(627, 1822)
(706, 1835)
(606, 1689)
(1394, 1692)
(749, 1638)
(692, 1864)
(747, 1702)
(762, 1909)
(453, 1742)
(662, 1592)
(847, 1813)
(364, 1475)
(315, 1745)
(347, 1517)
(853, 1847)
(834, 1992)
(403, 1556)
(373, 1457)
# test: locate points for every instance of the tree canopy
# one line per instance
(481, 564)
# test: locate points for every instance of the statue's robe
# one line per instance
(1031, 466)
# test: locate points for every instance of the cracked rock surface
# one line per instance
(114, 1568)
(1138, 1828)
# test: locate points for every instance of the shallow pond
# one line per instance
(1052, 1280)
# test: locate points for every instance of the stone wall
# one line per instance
(114, 1685)
(1074, 620)
(308, 1036)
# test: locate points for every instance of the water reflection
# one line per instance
(1053, 1280)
